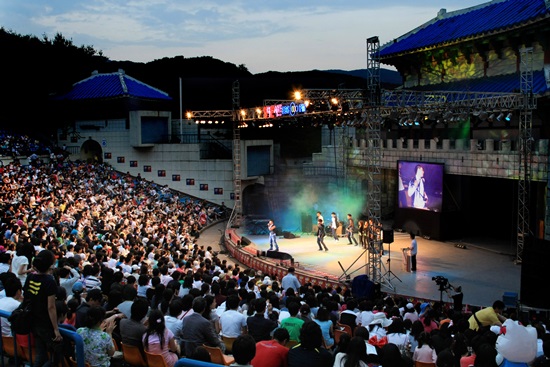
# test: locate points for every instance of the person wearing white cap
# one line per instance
(379, 324)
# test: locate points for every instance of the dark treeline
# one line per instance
(36, 69)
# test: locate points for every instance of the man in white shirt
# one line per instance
(12, 287)
(232, 322)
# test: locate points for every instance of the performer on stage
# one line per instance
(334, 225)
(350, 229)
(321, 235)
(414, 250)
(362, 228)
(320, 216)
(273, 246)
(416, 189)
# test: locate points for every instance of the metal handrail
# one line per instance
(75, 337)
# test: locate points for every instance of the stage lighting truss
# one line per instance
(350, 108)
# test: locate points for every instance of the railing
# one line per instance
(322, 171)
(76, 338)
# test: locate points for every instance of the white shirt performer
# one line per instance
(416, 189)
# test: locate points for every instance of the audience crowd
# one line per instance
(117, 259)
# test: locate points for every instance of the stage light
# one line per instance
(298, 96)
(483, 116)
(509, 116)
(500, 116)
(491, 117)
(189, 115)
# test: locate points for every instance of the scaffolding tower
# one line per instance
(374, 161)
(236, 217)
(525, 150)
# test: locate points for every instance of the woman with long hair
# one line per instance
(210, 312)
(158, 339)
(323, 320)
(355, 354)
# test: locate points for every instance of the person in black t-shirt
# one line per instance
(40, 288)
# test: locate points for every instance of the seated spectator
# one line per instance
(258, 325)
(160, 340)
(326, 326)
(293, 323)
(354, 356)
(196, 330)
(12, 300)
(232, 322)
(272, 353)
(310, 351)
(244, 350)
(97, 337)
(133, 328)
(424, 352)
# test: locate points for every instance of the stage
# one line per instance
(485, 271)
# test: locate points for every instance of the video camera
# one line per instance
(442, 282)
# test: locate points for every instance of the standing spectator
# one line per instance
(158, 339)
(20, 261)
(41, 288)
(290, 280)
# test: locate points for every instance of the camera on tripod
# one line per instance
(442, 282)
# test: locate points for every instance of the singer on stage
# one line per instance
(416, 189)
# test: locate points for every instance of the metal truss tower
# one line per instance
(237, 184)
(374, 161)
(525, 150)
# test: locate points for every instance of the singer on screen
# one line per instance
(416, 189)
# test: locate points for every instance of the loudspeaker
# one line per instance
(534, 279)
(306, 223)
(245, 241)
(278, 255)
(387, 235)
(288, 235)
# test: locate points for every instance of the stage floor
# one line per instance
(485, 271)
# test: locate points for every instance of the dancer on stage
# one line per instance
(321, 235)
(350, 229)
(272, 236)
(334, 225)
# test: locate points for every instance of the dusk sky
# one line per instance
(264, 36)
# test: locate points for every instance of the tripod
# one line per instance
(390, 273)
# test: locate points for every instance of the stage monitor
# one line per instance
(420, 185)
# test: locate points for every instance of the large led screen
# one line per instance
(420, 185)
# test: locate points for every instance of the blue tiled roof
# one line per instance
(495, 16)
(113, 85)
(508, 83)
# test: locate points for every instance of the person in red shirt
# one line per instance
(272, 353)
